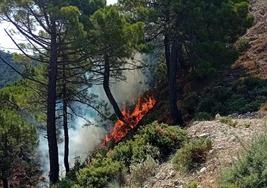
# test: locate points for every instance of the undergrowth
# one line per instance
(192, 154)
(139, 156)
(250, 171)
(244, 95)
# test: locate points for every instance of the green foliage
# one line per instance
(244, 95)
(113, 35)
(229, 186)
(242, 44)
(99, 173)
(166, 138)
(7, 75)
(192, 154)
(192, 184)
(228, 121)
(250, 170)
(142, 171)
(202, 116)
(153, 142)
(18, 140)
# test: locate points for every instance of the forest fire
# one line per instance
(121, 128)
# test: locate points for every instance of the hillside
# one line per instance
(234, 92)
(254, 59)
(7, 75)
(135, 94)
(228, 142)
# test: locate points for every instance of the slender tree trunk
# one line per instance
(175, 113)
(108, 92)
(65, 121)
(51, 108)
(5, 183)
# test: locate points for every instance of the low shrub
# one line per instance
(242, 45)
(228, 121)
(142, 171)
(203, 116)
(244, 95)
(229, 186)
(166, 138)
(192, 154)
(250, 171)
(99, 173)
(155, 140)
(138, 155)
(192, 184)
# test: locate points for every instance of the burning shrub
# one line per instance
(150, 144)
(192, 154)
(155, 140)
(121, 129)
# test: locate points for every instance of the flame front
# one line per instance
(121, 129)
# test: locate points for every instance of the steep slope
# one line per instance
(254, 60)
(228, 142)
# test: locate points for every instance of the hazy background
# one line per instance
(7, 45)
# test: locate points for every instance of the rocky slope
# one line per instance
(228, 143)
(254, 60)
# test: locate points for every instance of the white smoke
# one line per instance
(84, 139)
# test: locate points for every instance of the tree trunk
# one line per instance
(167, 52)
(108, 92)
(5, 182)
(65, 122)
(175, 113)
(51, 108)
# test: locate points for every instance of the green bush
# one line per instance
(250, 171)
(142, 171)
(242, 44)
(192, 154)
(99, 173)
(192, 184)
(166, 138)
(229, 186)
(228, 121)
(155, 140)
(202, 116)
(133, 151)
(244, 95)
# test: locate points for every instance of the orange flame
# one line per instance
(121, 129)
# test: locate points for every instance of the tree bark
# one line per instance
(167, 52)
(5, 183)
(51, 108)
(109, 95)
(174, 58)
(65, 122)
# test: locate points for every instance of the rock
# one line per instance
(204, 135)
(218, 116)
(211, 151)
(203, 169)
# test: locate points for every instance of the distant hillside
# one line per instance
(254, 58)
(7, 75)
